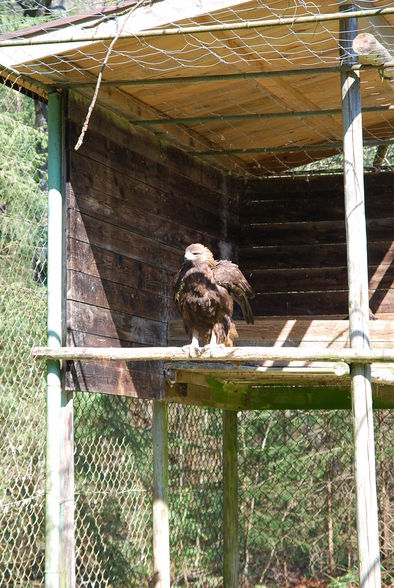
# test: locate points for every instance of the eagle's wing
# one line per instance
(228, 275)
(178, 285)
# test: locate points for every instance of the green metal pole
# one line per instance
(284, 149)
(247, 117)
(55, 329)
(221, 77)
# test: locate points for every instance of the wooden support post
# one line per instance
(230, 501)
(161, 542)
(367, 521)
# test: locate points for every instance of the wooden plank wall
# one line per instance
(293, 245)
(133, 205)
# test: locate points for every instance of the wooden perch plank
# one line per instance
(238, 354)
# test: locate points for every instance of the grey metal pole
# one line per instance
(55, 331)
(230, 500)
(247, 117)
(364, 456)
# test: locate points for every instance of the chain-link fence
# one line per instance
(23, 324)
(296, 489)
(296, 495)
(113, 476)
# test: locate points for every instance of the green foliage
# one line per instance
(289, 458)
(195, 489)
(22, 189)
(16, 15)
(349, 580)
(335, 162)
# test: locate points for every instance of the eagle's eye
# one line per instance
(189, 256)
(193, 253)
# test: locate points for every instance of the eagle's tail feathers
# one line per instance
(247, 312)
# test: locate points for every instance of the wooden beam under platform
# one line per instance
(274, 388)
(253, 378)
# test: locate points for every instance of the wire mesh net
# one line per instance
(256, 129)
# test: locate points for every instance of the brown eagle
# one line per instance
(204, 290)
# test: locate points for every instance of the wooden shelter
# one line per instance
(229, 107)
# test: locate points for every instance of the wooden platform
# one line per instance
(280, 385)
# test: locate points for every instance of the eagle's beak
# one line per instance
(188, 256)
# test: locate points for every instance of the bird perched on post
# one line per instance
(204, 291)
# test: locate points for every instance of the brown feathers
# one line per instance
(204, 290)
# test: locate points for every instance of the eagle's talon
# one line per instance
(213, 347)
(192, 350)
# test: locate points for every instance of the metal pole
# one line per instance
(161, 542)
(219, 77)
(246, 117)
(283, 149)
(55, 335)
(361, 389)
(195, 30)
(230, 500)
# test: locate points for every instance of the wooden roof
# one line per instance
(252, 144)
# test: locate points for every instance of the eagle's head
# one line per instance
(197, 253)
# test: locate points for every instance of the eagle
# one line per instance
(204, 291)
